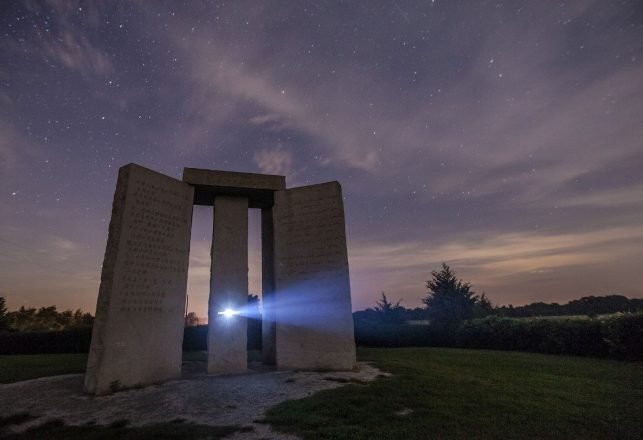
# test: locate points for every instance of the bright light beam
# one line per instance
(229, 313)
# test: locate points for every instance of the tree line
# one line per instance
(450, 301)
(42, 319)
(587, 305)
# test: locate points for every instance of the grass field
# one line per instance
(30, 366)
(451, 393)
(432, 393)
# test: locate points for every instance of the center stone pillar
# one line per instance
(227, 336)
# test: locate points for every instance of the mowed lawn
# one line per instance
(434, 393)
(452, 393)
(14, 368)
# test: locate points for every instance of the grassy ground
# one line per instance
(433, 393)
(450, 393)
(14, 368)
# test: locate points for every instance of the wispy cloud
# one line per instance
(493, 261)
(64, 39)
(75, 52)
(513, 252)
(15, 149)
(275, 161)
(610, 198)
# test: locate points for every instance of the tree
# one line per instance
(450, 300)
(483, 307)
(4, 321)
(387, 311)
(253, 310)
(191, 320)
(46, 319)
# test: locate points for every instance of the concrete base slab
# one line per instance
(216, 401)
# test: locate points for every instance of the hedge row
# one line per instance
(62, 341)
(619, 337)
(78, 340)
(196, 338)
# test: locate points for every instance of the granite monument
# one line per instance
(306, 303)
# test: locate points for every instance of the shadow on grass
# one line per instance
(57, 430)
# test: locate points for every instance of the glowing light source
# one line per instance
(229, 313)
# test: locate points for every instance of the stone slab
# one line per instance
(227, 336)
(138, 331)
(314, 322)
(257, 188)
(268, 329)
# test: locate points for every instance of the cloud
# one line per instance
(504, 264)
(227, 87)
(510, 117)
(75, 52)
(276, 161)
(609, 198)
(532, 125)
(503, 254)
(15, 149)
(62, 249)
(65, 40)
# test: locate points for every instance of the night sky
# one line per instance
(505, 137)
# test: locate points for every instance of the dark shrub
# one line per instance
(195, 338)
(582, 337)
(619, 337)
(624, 335)
(375, 334)
(254, 334)
(64, 341)
(78, 340)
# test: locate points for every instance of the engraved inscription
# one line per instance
(315, 327)
(143, 283)
(152, 255)
(312, 231)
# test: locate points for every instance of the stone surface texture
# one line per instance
(257, 188)
(138, 330)
(307, 319)
(268, 327)
(218, 401)
(227, 336)
(196, 176)
(314, 322)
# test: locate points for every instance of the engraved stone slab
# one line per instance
(257, 188)
(268, 329)
(197, 176)
(138, 330)
(227, 335)
(314, 323)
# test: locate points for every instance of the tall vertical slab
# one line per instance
(314, 327)
(138, 331)
(268, 329)
(227, 336)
